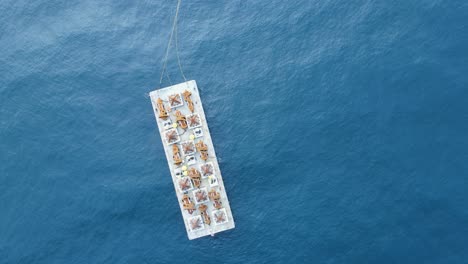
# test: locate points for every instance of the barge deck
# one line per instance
(192, 160)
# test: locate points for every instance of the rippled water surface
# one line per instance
(341, 129)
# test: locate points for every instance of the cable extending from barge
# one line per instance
(192, 160)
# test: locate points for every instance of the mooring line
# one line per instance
(169, 44)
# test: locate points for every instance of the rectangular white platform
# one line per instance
(176, 170)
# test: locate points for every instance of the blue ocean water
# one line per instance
(341, 129)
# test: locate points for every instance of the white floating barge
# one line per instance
(192, 159)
